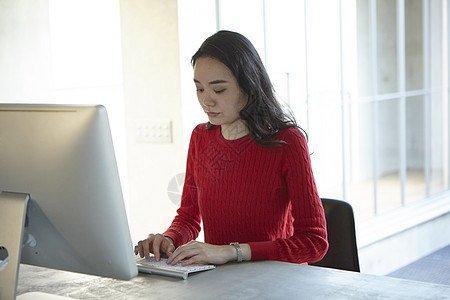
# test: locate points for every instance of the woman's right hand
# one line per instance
(156, 244)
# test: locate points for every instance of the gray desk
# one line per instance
(253, 280)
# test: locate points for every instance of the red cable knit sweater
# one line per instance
(247, 193)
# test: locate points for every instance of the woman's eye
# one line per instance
(199, 90)
(219, 91)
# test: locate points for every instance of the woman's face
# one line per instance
(220, 96)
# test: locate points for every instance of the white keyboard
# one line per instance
(161, 267)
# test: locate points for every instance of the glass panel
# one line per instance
(438, 141)
(436, 47)
(248, 20)
(323, 47)
(387, 46)
(415, 188)
(325, 144)
(438, 115)
(324, 103)
(414, 44)
(388, 169)
(360, 187)
(286, 64)
(363, 40)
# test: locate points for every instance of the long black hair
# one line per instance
(263, 113)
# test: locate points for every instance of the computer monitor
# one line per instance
(63, 157)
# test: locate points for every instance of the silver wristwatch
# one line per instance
(238, 250)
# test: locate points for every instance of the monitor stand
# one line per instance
(13, 210)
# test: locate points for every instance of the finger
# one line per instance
(196, 259)
(183, 252)
(146, 247)
(139, 249)
(158, 239)
(174, 255)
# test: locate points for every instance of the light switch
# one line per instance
(154, 131)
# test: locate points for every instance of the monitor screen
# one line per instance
(63, 157)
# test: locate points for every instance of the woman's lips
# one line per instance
(212, 114)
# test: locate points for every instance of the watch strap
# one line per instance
(238, 251)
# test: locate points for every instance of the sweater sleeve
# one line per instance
(309, 240)
(186, 225)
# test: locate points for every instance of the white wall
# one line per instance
(152, 93)
(57, 51)
(123, 55)
(25, 51)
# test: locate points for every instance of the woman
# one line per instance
(248, 174)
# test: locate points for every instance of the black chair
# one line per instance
(342, 252)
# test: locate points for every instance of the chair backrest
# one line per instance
(342, 252)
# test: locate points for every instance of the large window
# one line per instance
(402, 95)
(367, 79)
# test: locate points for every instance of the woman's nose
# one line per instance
(207, 100)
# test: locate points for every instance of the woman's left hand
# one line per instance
(201, 253)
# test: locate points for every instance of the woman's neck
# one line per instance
(235, 130)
